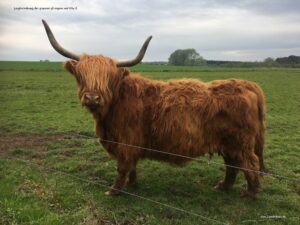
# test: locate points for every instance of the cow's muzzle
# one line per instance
(91, 100)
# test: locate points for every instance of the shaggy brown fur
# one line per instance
(186, 117)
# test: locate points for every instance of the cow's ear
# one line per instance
(124, 71)
(70, 66)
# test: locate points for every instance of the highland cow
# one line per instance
(185, 117)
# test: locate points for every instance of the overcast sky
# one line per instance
(246, 30)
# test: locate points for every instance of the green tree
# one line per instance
(186, 57)
(269, 62)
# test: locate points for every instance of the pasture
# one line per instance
(52, 173)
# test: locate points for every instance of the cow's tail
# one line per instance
(260, 137)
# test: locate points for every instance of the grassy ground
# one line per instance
(40, 115)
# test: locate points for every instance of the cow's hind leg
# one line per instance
(123, 170)
(230, 174)
(250, 165)
(132, 175)
(259, 145)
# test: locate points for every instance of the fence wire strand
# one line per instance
(191, 158)
(141, 197)
(119, 190)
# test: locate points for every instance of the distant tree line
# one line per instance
(190, 57)
(291, 60)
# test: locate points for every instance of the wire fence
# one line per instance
(188, 157)
(104, 184)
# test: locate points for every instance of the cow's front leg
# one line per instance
(123, 169)
(230, 175)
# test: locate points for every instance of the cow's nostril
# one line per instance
(87, 97)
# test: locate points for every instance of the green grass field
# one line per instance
(40, 116)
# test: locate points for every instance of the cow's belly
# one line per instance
(179, 134)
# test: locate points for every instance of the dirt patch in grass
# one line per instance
(18, 142)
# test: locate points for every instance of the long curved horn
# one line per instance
(57, 46)
(138, 58)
